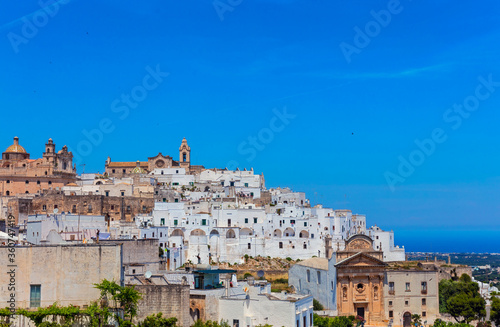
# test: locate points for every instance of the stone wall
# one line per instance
(117, 208)
(66, 273)
(170, 300)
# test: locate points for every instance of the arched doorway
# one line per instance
(407, 319)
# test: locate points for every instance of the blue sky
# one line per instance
(232, 69)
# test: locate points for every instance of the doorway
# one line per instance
(360, 311)
(407, 319)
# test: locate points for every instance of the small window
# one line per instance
(203, 222)
(246, 184)
(50, 182)
(107, 193)
(122, 193)
(305, 223)
(407, 303)
(390, 303)
(27, 182)
(7, 193)
(38, 182)
(391, 314)
(305, 245)
(113, 171)
(319, 276)
(175, 222)
(255, 220)
(424, 301)
(44, 207)
(281, 245)
(123, 171)
(391, 286)
(246, 220)
(236, 323)
(8, 181)
(308, 275)
(424, 314)
(249, 246)
(407, 287)
(112, 207)
(35, 296)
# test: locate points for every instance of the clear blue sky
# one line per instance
(359, 100)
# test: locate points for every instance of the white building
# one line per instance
(258, 306)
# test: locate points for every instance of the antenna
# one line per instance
(83, 171)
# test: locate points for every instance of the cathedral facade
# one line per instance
(19, 174)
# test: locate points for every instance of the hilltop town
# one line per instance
(201, 244)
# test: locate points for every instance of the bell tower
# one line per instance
(184, 154)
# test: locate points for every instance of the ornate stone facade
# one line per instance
(20, 175)
(360, 280)
(125, 168)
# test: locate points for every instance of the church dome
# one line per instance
(16, 148)
(138, 169)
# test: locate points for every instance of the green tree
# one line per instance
(158, 321)
(317, 305)
(495, 310)
(461, 299)
(125, 297)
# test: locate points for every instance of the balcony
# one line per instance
(392, 292)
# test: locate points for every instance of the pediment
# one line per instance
(360, 259)
(159, 156)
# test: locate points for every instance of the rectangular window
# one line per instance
(107, 193)
(319, 277)
(89, 208)
(305, 223)
(236, 323)
(424, 287)
(162, 221)
(308, 273)
(175, 222)
(390, 303)
(407, 303)
(255, 220)
(229, 222)
(35, 296)
(391, 314)
(246, 220)
(391, 287)
(407, 287)
(246, 184)
(424, 301)
(122, 193)
(44, 207)
(231, 183)
(281, 245)
(203, 222)
(249, 246)
(424, 314)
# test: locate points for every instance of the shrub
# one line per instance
(317, 305)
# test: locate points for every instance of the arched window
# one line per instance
(184, 157)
